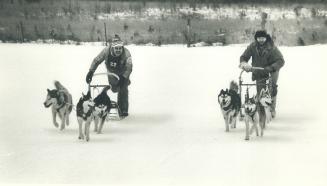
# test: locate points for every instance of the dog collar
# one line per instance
(88, 114)
(252, 113)
(228, 107)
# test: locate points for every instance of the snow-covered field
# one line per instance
(175, 132)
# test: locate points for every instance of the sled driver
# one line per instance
(118, 61)
(266, 55)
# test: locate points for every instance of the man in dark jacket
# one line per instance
(266, 55)
(118, 61)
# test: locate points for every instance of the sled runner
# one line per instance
(94, 89)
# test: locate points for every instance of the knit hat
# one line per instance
(260, 33)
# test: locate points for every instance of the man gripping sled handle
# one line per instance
(248, 68)
(118, 62)
(264, 54)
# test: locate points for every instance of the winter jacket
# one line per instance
(263, 56)
(121, 65)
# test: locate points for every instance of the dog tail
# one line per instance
(105, 89)
(233, 86)
(59, 86)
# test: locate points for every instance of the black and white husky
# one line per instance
(89, 109)
(266, 102)
(251, 117)
(230, 104)
(84, 112)
(102, 106)
(61, 101)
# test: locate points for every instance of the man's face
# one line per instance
(117, 50)
(261, 40)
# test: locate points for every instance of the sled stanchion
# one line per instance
(111, 115)
(247, 85)
(241, 83)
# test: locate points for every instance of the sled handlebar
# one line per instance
(102, 85)
(257, 68)
(252, 69)
(107, 73)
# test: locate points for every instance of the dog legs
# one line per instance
(255, 127)
(262, 127)
(101, 124)
(268, 114)
(233, 122)
(247, 135)
(87, 130)
(54, 115)
(80, 128)
(96, 121)
(67, 119)
(63, 120)
(226, 123)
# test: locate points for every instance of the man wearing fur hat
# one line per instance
(266, 55)
(118, 61)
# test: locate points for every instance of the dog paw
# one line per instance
(56, 124)
(80, 137)
(99, 132)
(62, 127)
(247, 138)
(87, 139)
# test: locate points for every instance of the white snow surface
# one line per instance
(175, 133)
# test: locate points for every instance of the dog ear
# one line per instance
(261, 92)
(221, 92)
(48, 90)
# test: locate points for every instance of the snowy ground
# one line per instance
(175, 133)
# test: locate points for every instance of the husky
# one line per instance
(251, 116)
(61, 101)
(84, 112)
(102, 106)
(265, 101)
(230, 104)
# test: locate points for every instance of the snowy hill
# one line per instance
(175, 132)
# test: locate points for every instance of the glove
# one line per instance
(245, 66)
(269, 69)
(89, 76)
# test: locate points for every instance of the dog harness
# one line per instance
(251, 114)
(88, 114)
(60, 102)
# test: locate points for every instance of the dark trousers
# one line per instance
(261, 85)
(122, 89)
(123, 99)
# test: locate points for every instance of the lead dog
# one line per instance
(251, 117)
(102, 106)
(230, 104)
(84, 112)
(61, 101)
(265, 101)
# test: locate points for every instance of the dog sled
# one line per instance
(115, 112)
(247, 86)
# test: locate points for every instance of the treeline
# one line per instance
(86, 21)
(197, 1)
